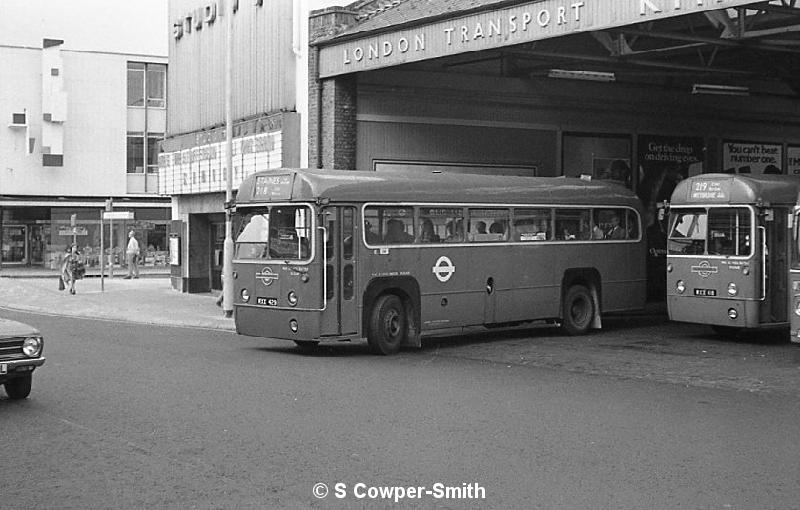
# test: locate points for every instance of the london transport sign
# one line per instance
(497, 28)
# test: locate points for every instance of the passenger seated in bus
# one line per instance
(615, 230)
(369, 234)
(480, 227)
(496, 228)
(455, 232)
(427, 234)
(396, 233)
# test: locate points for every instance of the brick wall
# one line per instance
(331, 102)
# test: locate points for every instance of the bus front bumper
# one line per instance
(298, 325)
(714, 311)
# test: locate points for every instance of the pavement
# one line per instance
(149, 299)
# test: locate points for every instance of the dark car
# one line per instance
(20, 353)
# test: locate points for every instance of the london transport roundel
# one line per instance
(443, 269)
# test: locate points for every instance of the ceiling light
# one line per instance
(581, 75)
(722, 90)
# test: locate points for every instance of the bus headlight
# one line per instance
(732, 290)
(245, 295)
(732, 313)
(32, 346)
(669, 268)
(293, 325)
(292, 297)
(680, 287)
(797, 307)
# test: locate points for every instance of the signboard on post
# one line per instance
(118, 215)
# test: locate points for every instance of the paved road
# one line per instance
(134, 416)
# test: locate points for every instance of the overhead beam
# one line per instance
(778, 9)
(728, 43)
(628, 61)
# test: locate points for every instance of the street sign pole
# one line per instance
(102, 255)
(111, 246)
(73, 222)
(227, 247)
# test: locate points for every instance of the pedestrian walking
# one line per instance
(132, 256)
(72, 268)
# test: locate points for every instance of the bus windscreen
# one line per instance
(281, 232)
(710, 231)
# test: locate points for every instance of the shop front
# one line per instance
(37, 237)
(192, 170)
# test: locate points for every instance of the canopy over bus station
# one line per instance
(643, 92)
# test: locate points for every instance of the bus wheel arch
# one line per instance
(406, 290)
(580, 300)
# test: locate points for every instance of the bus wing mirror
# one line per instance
(662, 210)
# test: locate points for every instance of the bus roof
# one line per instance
(737, 189)
(366, 186)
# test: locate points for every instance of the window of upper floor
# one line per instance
(148, 82)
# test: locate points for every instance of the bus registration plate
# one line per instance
(705, 292)
(266, 301)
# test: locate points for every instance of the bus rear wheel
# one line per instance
(578, 311)
(387, 325)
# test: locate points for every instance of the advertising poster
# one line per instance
(751, 158)
(793, 160)
(664, 161)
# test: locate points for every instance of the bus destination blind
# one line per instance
(273, 187)
(713, 190)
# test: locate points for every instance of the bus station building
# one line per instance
(642, 92)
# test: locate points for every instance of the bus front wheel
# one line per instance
(578, 312)
(387, 325)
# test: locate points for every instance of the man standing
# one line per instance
(132, 256)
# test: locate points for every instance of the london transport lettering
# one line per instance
(498, 28)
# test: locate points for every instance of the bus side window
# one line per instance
(573, 224)
(632, 224)
(398, 225)
(488, 225)
(532, 225)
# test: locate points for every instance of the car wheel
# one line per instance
(20, 387)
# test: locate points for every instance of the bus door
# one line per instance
(771, 248)
(793, 297)
(341, 317)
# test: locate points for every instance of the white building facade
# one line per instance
(269, 110)
(79, 131)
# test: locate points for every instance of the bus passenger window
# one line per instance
(395, 225)
(532, 225)
(497, 221)
(632, 224)
(572, 224)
